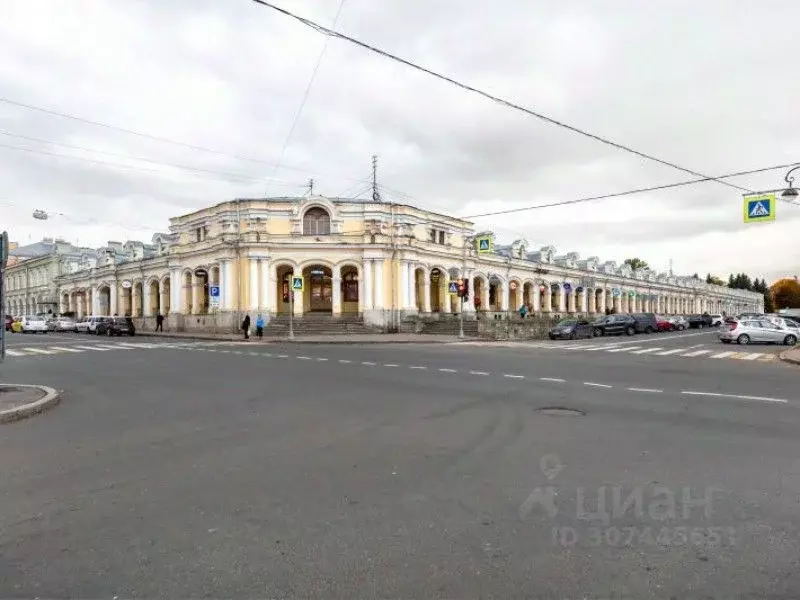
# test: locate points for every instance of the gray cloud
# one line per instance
(685, 81)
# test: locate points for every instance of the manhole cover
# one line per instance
(561, 411)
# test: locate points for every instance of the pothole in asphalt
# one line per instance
(560, 411)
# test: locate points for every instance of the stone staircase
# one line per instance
(318, 324)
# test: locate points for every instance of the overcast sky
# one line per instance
(709, 85)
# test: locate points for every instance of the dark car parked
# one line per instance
(116, 326)
(615, 325)
(700, 321)
(571, 329)
(645, 322)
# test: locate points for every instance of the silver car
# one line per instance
(750, 330)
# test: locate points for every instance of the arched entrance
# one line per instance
(350, 289)
(283, 276)
(154, 298)
(419, 289)
(318, 289)
(478, 293)
(166, 295)
(555, 297)
(200, 292)
(514, 292)
(495, 296)
(104, 301)
(527, 296)
(437, 281)
(126, 299)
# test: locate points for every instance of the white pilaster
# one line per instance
(404, 295)
(253, 284)
(196, 294)
(265, 277)
(412, 286)
(226, 272)
(562, 299)
(504, 296)
(426, 293)
(175, 292)
(336, 293)
(272, 290)
(367, 287)
(379, 283)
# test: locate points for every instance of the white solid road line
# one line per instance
(735, 396)
(625, 349)
(65, 349)
(14, 352)
(753, 356)
(670, 352)
(697, 353)
(95, 348)
(648, 390)
(659, 338)
(723, 355)
(556, 379)
(646, 350)
(600, 385)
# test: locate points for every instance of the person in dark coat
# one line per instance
(246, 327)
(159, 322)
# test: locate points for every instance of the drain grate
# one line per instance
(561, 411)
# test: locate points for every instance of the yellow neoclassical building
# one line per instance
(371, 260)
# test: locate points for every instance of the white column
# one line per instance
(367, 287)
(426, 293)
(253, 284)
(412, 286)
(336, 292)
(562, 298)
(196, 292)
(264, 303)
(379, 283)
(404, 302)
(175, 291)
(113, 294)
(272, 290)
(95, 300)
(147, 309)
(504, 296)
(227, 291)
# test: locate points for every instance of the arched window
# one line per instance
(350, 286)
(316, 221)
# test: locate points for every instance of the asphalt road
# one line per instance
(241, 470)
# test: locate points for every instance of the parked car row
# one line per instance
(91, 324)
(619, 324)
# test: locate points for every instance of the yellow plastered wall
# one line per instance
(421, 232)
(279, 227)
(352, 226)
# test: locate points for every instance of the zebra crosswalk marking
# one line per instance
(646, 350)
(723, 355)
(95, 348)
(697, 353)
(625, 349)
(751, 356)
(65, 349)
(38, 351)
(668, 352)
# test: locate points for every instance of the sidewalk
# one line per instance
(21, 401)
(354, 338)
(791, 356)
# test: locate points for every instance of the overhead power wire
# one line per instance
(137, 158)
(306, 93)
(152, 137)
(329, 32)
(630, 192)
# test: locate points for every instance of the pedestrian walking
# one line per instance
(523, 311)
(260, 327)
(246, 327)
(160, 322)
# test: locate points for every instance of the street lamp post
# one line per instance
(790, 193)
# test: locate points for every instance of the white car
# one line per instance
(62, 324)
(716, 320)
(33, 325)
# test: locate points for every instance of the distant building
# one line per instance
(31, 272)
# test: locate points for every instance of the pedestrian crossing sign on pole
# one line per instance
(484, 244)
(297, 283)
(452, 288)
(759, 208)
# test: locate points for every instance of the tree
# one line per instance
(714, 280)
(696, 276)
(636, 264)
(785, 293)
(731, 281)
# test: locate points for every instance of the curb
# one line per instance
(424, 339)
(51, 398)
(784, 356)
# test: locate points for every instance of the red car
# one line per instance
(663, 324)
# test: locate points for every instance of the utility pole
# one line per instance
(467, 242)
(311, 187)
(375, 194)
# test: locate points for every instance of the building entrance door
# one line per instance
(320, 290)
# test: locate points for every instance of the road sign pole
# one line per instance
(291, 309)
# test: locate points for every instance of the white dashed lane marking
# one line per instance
(645, 390)
(555, 379)
(479, 373)
(600, 385)
(697, 353)
(512, 376)
(448, 371)
(668, 352)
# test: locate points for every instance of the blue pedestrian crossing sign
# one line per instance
(214, 295)
(297, 283)
(484, 244)
(759, 208)
(452, 287)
